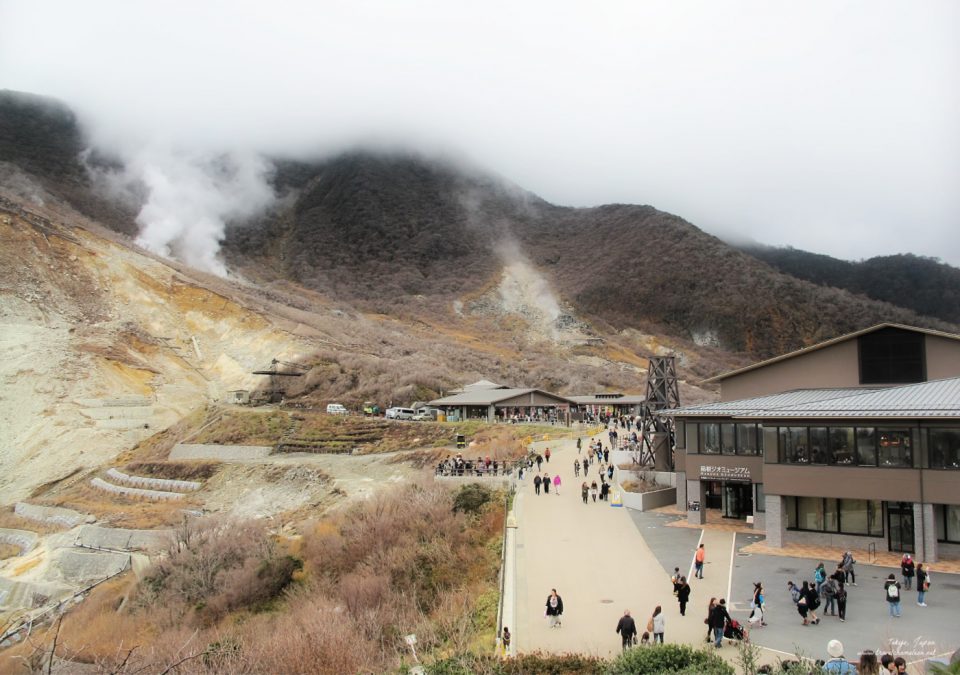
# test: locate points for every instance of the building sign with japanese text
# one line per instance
(728, 473)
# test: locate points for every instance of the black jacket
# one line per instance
(627, 627)
(718, 617)
(551, 611)
(683, 593)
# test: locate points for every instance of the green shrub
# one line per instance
(669, 659)
(471, 498)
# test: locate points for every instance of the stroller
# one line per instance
(734, 630)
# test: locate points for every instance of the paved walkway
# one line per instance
(592, 555)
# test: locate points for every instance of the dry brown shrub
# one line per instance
(174, 470)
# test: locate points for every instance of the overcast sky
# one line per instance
(827, 125)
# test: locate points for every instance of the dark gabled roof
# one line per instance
(492, 396)
(828, 343)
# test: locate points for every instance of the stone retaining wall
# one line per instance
(223, 453)
(153, 483)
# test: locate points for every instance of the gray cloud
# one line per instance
(829, 126)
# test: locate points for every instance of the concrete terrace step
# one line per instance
(28, 594)
(137, 493)
(115, 402)
(126, 413)
(166, 484)
(25, 540)
(50, 514)
(117, 539)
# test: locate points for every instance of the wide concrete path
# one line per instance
(600, 565)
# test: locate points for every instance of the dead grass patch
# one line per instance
(11, 520)
(119, 511)
(198, 470)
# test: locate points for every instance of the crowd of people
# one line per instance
(480, 467)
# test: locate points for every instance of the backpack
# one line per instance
(893, 593)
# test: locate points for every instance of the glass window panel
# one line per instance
(791, 512)
(895, 447)
(842, 445)
(875, 518)
(944, 448)
(952, 517)
(728, 441)
(830, 519)
(866, 447)
(760, 500)
(793, 445)
(810, 513)
(939, 515)
(818, 445)
(710, 438)
(747, 439)
(853, 516)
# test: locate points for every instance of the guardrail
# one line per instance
(503, 565)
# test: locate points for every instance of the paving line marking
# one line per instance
(733, 551)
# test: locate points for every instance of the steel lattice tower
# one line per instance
(663, 393)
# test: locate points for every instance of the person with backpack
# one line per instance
(907, 571)
(537, 480)
(808, 603)
(819, 576)
(923, 585)
(829, 592)
(585, 492)
(675, 580)
(891, 589)
(627, 628)
(838, 664)
(546, 483)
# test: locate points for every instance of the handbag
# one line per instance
(650, 625)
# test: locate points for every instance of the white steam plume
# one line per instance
(190, 196)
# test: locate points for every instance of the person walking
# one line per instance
(923, 585)
(585, 492)
(546, 483)
(537, 480)
(713, 603)
(820, 577)
(610, 472)
(627, 628)
(847, 563)
(539, 461)
(606, 455)
(556, 485)
(576, 468)
(546, 455)
(719, 617)
(842, 602)
(683, 595)
(675, 580)
(829, 593)
(809, 592)
(605, 491)
(593, 491)
(907, 569)
(579, 444)
(756, 616)
(586, 466)
(698, 560)
(554, 608)
(657, 624)
(891, 588)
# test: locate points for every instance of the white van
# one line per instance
(336, 409)
(400, 413)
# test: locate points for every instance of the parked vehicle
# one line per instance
(422, 416)
(336, 409)
(370, 408)
(400, 413)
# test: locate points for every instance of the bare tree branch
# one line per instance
(53, 648)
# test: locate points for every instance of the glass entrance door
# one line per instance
(714, 494)
(900, 526)
(737, 500)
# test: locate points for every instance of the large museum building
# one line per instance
(850, 442)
